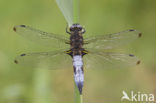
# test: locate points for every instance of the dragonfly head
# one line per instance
(76, 27)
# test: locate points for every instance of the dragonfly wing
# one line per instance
(49, 60)
(40, 37)
(109, 60)
(111, 41)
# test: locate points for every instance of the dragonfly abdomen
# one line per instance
(78, 71)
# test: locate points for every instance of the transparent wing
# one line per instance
(109, 60)
(48, 60)
(66, 7)
(40, 37)
(111, 41)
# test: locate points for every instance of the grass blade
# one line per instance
(78, 97)
(70, 10)
(75, 11)
(66, 7)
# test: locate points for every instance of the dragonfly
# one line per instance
(94, 52)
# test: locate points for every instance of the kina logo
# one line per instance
(140, 97)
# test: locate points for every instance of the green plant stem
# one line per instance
(81, 98)
(75, 11)
(78, 97)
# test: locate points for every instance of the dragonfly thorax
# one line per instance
(76, 40)
(76, 43)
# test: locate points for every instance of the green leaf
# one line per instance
(66, 7)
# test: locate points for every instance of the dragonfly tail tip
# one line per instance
(80, 86)
(80, 90)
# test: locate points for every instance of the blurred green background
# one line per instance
(24, 85)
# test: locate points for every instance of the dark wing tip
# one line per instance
(132, 30)
(14, 29)
(131, 55)
(23, 55)
(22, 26)
(139, 35)
(15, 61)
(138, 62)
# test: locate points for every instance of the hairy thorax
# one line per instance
(76, 42)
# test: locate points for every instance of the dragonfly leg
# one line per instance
(67, 30)
(84, 52)
(83, 31)
(69, 52)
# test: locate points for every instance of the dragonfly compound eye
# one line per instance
(79, 27)
(72, 28)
